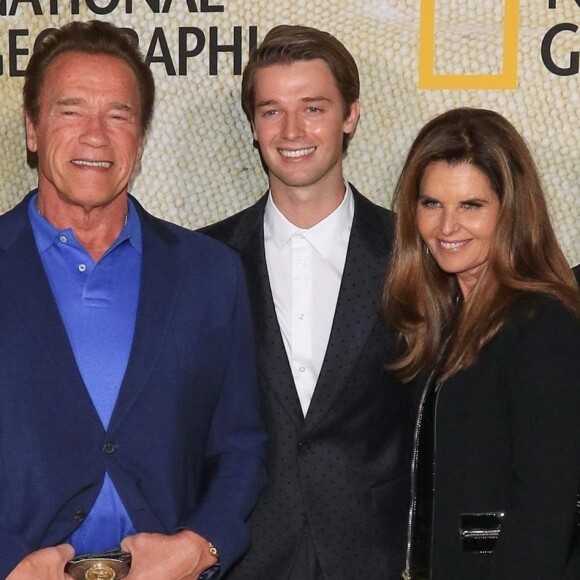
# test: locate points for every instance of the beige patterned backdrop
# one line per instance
(199, 164)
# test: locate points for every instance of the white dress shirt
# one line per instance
(305, 268)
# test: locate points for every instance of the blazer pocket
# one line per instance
(479, 532)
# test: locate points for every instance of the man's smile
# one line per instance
(89, 163)
(294, 153)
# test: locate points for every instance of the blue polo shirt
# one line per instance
(98, 305)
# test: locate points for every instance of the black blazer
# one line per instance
(342, 470)
(508, 440)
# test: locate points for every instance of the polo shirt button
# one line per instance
(109, 448)
(63, 239)
(304, 448)
(79, 516)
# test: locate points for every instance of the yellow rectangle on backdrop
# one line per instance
(507, 79)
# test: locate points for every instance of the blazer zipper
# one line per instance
(414, 460)
(438, 388)
(406, 575)
(492, 534)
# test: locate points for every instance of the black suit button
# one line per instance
(79, 516)
(109, 448)
(304, 448)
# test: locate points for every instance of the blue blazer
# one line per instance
(185, 446)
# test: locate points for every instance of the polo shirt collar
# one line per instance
(46, 234)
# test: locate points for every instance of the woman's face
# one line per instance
(457, 215)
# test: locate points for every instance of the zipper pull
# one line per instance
(406, 575)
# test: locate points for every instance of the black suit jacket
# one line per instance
(343, 470)
(508, 440)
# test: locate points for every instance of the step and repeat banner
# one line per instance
(417, 58)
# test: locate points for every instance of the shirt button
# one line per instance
(109, 448)
(63, 239)
(301, 316)
(79, 516)
(82, 267)
(301, 369)
(304, 448)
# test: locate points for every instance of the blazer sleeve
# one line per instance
(13, 549)
(235, 458)
(543, 382)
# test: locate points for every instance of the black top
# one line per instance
(507, 440)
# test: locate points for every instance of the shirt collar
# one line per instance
(322, 236)
(46, 234)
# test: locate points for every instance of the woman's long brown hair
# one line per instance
(419, 298)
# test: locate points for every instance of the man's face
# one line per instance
(88, 132)
(299, 124)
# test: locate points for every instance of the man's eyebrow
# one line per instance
(266, 103)
(123, 107)
(316, 99)
(75, 101)
(69, 101)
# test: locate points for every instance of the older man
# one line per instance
(129, 400)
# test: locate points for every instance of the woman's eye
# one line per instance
(471, 204)
(429, 203)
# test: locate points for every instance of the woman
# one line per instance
(488, 312)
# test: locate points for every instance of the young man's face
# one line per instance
(88, 132)
(299, 125)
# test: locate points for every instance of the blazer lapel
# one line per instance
(357, 307)
(27, 290)
(161, 275)
(273, 362)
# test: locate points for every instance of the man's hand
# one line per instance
(182, 556)
(45, 564)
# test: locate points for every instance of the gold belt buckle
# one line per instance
(112, 565)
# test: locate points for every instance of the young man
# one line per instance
(315, 253)
(129, 408)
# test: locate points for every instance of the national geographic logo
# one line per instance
(193, 42)
(553, 37)
(507, 79)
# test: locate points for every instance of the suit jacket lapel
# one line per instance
(161, 275)
(27, 291)
(27, 286)
(273, 362)
(357, 307)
